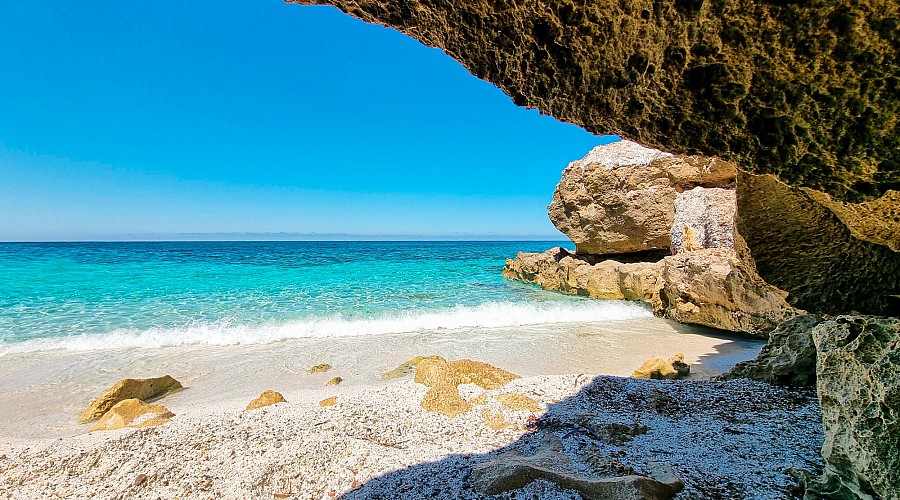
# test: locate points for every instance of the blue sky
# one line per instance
(129, 120)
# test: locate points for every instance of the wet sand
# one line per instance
(42, 392)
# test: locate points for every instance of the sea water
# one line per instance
(230, 320)
(88, 296)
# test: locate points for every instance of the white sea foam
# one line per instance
(487, 315)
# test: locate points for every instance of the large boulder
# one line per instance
(621, 198)
(143, 389)
(858, 380)
(830, 256)
(789, 357)
(710, 287)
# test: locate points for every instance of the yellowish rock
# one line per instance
(267, 398)
(495, 421)
(144, 389)
(444, 376)
(690, 240)
(320, 368)
(328, 401)
(656, 368)
(519, 402)
(404, 369)
(133, 413)
(334, 381)
(479, 400)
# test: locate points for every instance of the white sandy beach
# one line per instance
(213, 448)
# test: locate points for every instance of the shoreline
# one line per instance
(44, 392)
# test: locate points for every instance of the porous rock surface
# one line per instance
(659, 369)
(267, 398)
(830, 256)
(515, 468)
(133, 413)
(858, 382)
(707, 214)
(710, 287)
(143, 389)
(443, 378)
(807, 90)
(623, 197)
(788, 358)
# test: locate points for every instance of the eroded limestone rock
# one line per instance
(267, 398)
(831, 257)
(444, 376)
(519, 402)
(320, 368)
(403, 369)
(144, 389)
(623, 198)
(789, 358)
(132, 413)
(807, 90)
(710, 287)
(657, 368)
(858, 381)
(704, 218)
(514, 468)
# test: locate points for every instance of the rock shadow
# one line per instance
(734, 439)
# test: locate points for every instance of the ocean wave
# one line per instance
(487, 315)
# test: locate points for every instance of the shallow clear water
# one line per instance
(111, 295)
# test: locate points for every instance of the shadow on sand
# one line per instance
(735, 439)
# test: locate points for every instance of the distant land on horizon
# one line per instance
(288, 236)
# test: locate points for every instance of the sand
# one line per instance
(378, 441)
(734, 439)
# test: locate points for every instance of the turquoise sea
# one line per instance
(90, 296)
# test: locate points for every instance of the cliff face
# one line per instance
(805, 89)
(832, 257)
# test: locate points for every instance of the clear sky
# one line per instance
(148, 119)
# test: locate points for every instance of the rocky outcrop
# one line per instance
(443, 377)
(658, 369)
(710, 287)
(514, 469)
(789, 357)
(625, 198)
(267, 398)
(858, 382)
(806, 90)
(132, 413)
(704, 218)
(831, 257)
(143, 389)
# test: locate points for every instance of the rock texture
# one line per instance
(267, 398)
(789, 358)
(658, 369)
(514, 469)
(831, 257)
(623, 198)
(132, 413)
(704, 218)
(807, 90)
(710, 287)
(858, 372)
(143, 389)
(443, 377)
